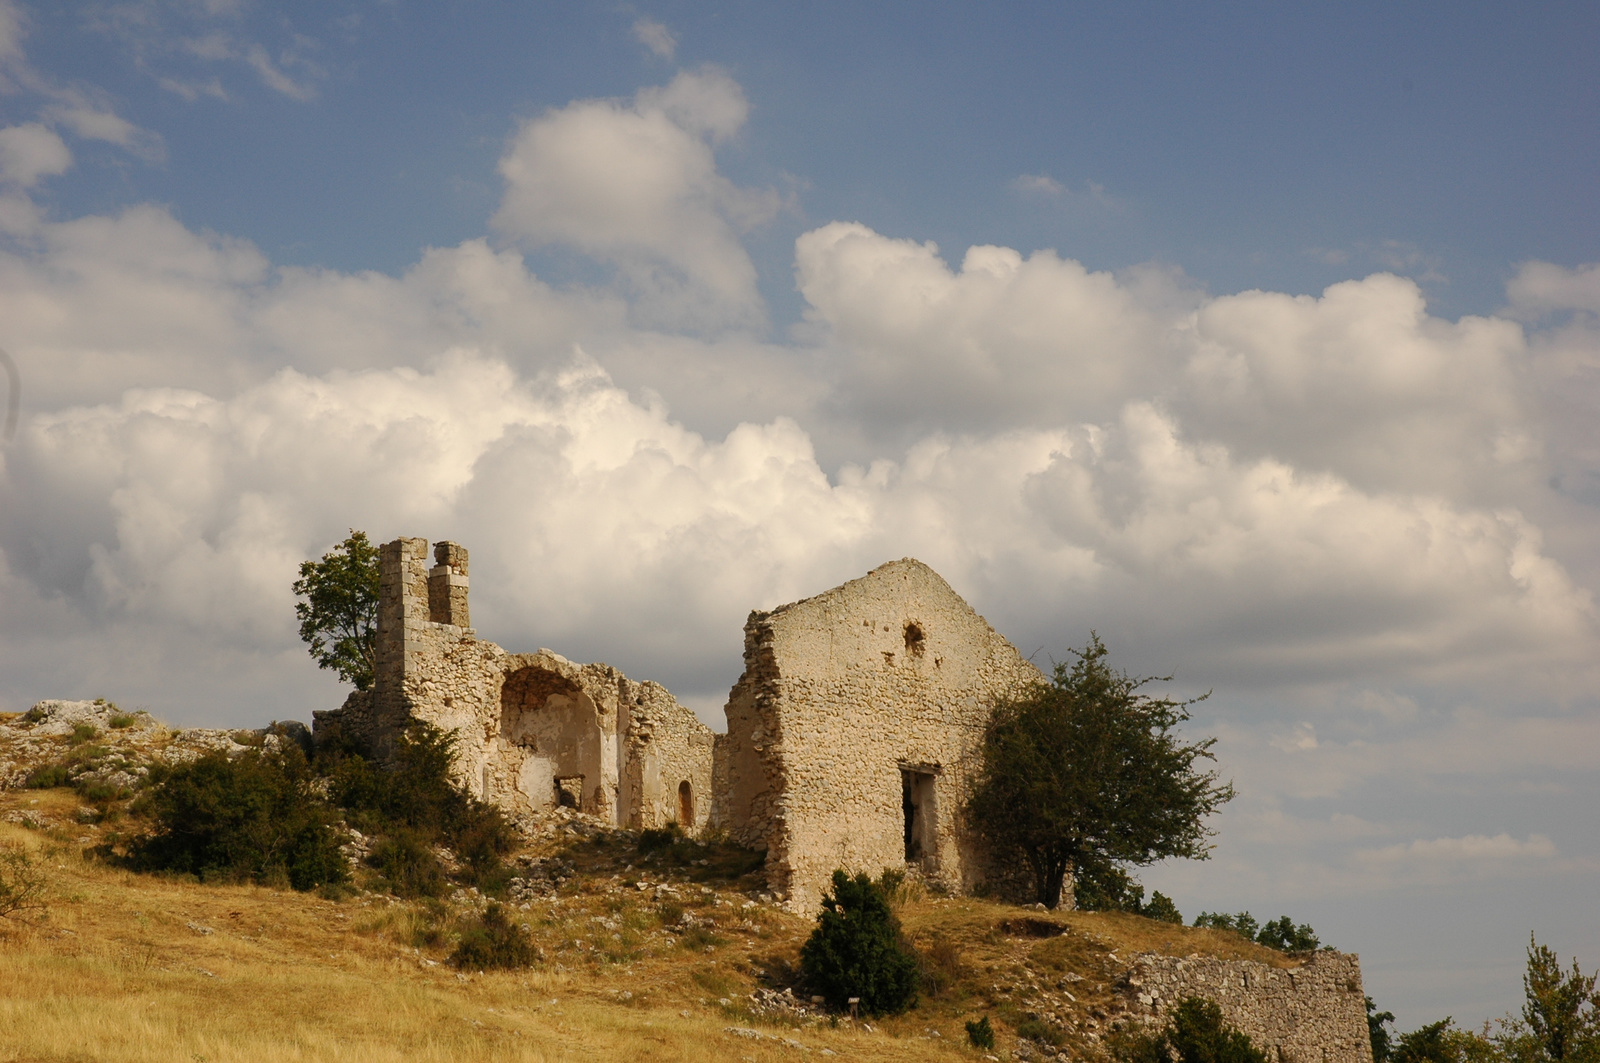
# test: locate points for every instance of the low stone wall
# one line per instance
(1314, 1013)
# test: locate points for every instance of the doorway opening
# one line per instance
(686, 805)
(920, 809)
(569, 791)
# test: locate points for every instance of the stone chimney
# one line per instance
(447, 586)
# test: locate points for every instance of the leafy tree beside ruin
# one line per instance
(1560, 1015)
(339, 616)
(1085, 773)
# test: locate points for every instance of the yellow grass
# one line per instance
(123, 969)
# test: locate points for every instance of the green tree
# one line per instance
(1382, 1044)
(1430, 1044)
(1085, 773)
(857, 950)
(1560, 1015)
(339, 617)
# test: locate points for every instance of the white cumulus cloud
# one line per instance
(635, 184)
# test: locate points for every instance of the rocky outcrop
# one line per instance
(97, 742)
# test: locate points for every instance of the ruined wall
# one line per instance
(1315, 1013)
(847, 697)
(668, 762)
(533, 730)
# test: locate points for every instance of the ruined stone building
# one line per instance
(533, 730)
(854, 732)
(852, 735)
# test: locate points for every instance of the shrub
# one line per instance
(33, 715)
(857, 950)
(122, 720)
(83, 732)
(408, 866)
(419, 792)
(980, 1034)
(492, 941)
(1195, 1034)
(48, 777)
(255, 817)
(22, 883)
(654, 838)
(1198, 1035)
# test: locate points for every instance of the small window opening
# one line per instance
(919, 809)
(685, 804)
(914, 640)
(569, 791)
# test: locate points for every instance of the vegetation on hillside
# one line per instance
(1281, 933)
(1085, 774)
(274, 816)
(253, 817)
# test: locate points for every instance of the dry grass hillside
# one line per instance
(668, 954)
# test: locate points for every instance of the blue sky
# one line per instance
(1263, 339)
(1253, 145)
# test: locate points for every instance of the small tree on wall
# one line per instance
(339, 617)
(1085, 773)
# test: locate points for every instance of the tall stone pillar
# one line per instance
(403, 614)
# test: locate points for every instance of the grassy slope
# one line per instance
(122, 969)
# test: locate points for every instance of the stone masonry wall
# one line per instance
(1315, 1013)
(532, 729)
(844, 694)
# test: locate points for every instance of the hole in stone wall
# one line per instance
(914, 639)
(569, 791)
(685, 804)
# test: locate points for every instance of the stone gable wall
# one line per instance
(1314, 1013)
(842, 694)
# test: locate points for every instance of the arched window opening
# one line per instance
(685, 805)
